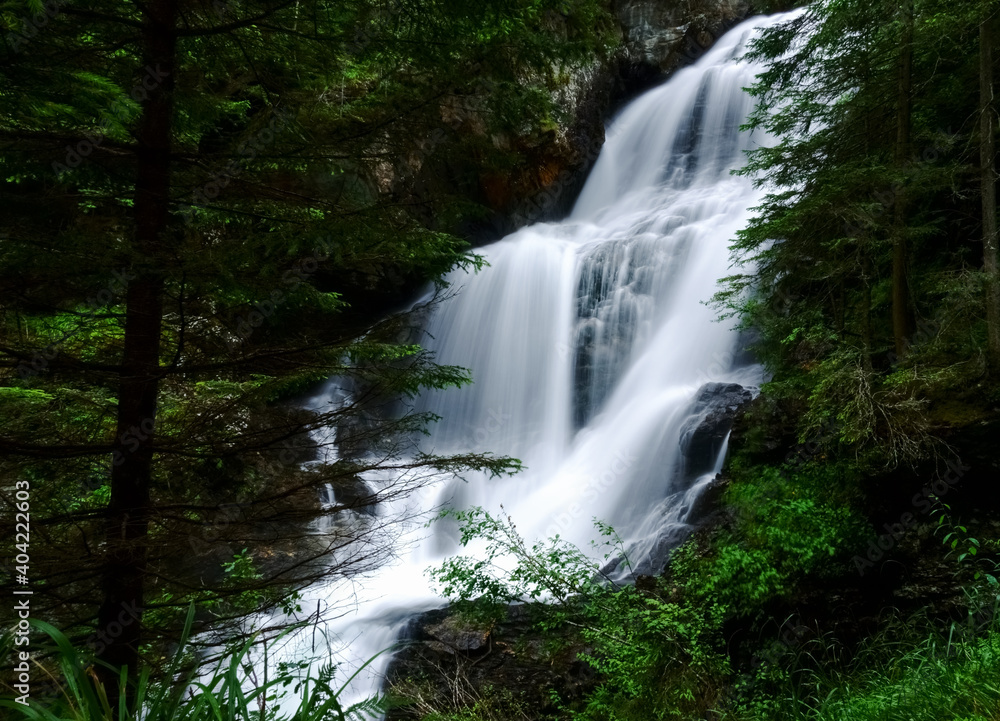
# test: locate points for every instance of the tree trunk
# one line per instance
(987, 161)
(127, 520)
(866, 313)
(902, 314)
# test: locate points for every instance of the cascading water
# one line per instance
(589, 340)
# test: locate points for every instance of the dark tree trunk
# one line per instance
(866, 313)
(120, 614)
(987, 160)
(902, 314)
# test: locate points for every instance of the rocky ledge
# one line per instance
(656, 38)
(450, 661)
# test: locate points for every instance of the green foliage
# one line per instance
(787, 532)
(634, 635)
(302, 139)
(660, 656)
(552, 569)
(908, 670)
(925, 675)
(660, 647)
(791, 524)
(229, 693)
(660, 650)
(966, 550)
(842, 195)
(881, 417)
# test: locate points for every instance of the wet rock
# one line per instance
(353, 493)
(712, 416)
(457, 635)
(666, 35)
(706, 507)
(696, 498)
(448, 661)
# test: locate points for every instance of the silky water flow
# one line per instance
(590, 343)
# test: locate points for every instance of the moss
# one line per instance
(957, 413)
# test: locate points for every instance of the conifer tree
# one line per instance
(987, 160)
(199, 224)
(860, 247)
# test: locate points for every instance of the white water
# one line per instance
(588, 340)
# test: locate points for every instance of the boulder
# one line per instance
(712, 415)
(456, 635)
(448, 661)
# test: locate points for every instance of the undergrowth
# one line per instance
(662, 649)
(75, 694)
(911, 671)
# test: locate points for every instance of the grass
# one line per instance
(926, 675)
(223, 696)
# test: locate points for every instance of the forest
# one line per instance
(629, 359)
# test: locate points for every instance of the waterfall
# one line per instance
(588, 340)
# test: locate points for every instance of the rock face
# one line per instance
(652, 31)
(657, 38)
(664, 35)
(713, 413)
(448, 661)
(719, 406)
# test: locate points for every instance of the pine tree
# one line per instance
(862, 239)
(199, 201)
(987, 160)
(902, 314)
